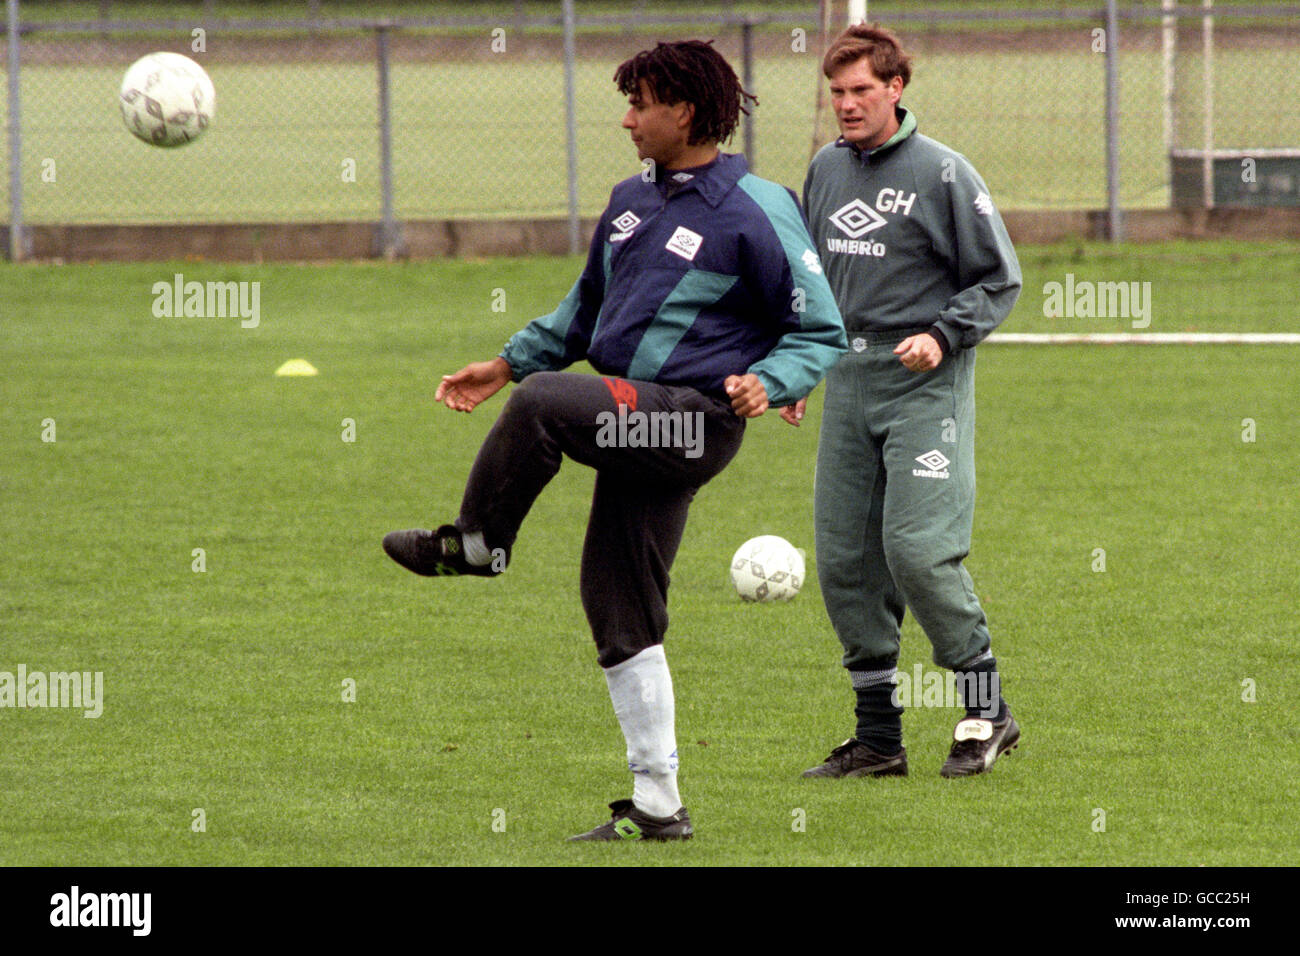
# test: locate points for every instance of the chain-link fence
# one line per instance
(1233, 111)
(477, 114)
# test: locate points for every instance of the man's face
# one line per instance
(659, 130)
(864, 104)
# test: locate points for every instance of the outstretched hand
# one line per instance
(794, 413)
(476, 382)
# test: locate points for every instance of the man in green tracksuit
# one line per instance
(922, 269)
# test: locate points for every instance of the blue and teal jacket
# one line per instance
(706, 274)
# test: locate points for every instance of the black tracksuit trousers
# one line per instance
(652, 446)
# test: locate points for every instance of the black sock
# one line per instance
(978, 684)
(880, 720)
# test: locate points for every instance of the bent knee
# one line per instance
(533, 394)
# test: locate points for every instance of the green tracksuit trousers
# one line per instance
(894, 500)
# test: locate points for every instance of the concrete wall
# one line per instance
(296, 242)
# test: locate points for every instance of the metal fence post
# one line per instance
(390, 244)
(747, 59)
(16, 237)
(1207, 56)
(1169, 54)
(1114, 217)
(571, 128)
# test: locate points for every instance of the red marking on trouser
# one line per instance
(624, 392)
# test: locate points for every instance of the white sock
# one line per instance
(642, 691)
(476, 549)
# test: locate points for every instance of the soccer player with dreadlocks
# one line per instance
(701, 304)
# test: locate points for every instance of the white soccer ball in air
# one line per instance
(767, 568)
(167, 99)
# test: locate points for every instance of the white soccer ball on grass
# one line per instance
(767, 568)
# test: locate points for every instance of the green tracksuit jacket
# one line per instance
(909, 238)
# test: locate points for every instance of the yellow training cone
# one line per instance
(296, 367)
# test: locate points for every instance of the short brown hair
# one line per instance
(879, 46)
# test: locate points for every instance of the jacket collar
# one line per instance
(713, 181)
(906, 127)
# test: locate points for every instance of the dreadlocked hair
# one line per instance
(690, 71)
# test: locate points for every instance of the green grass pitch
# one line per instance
(480, 702)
